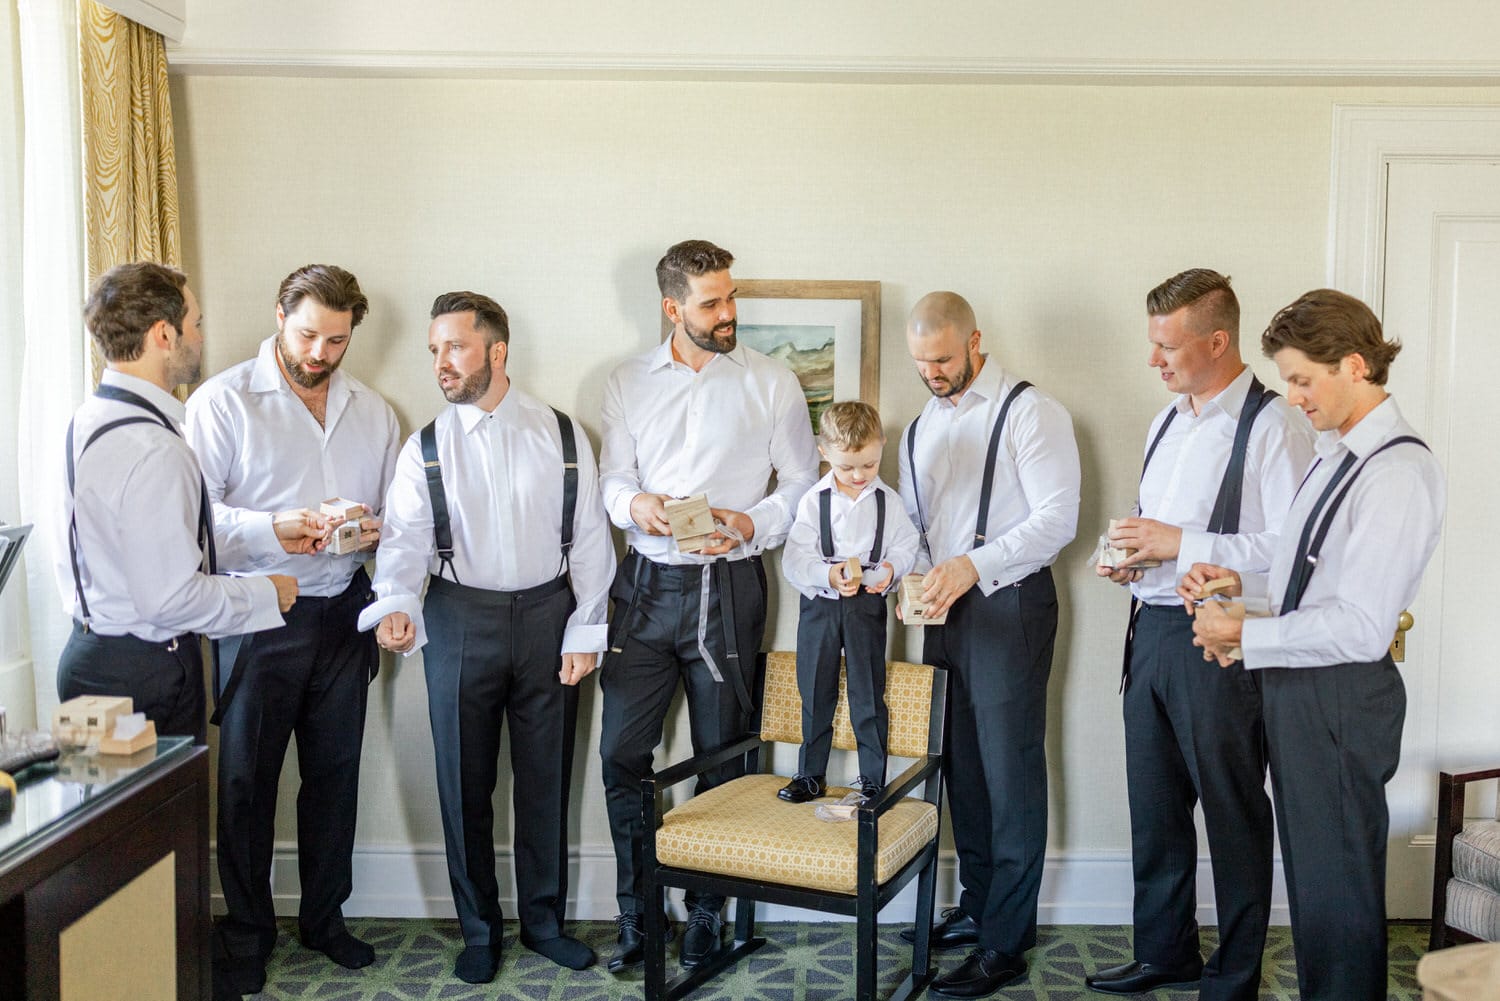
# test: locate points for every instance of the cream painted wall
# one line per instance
(841, 36)
(1053, 209)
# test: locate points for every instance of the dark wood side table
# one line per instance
(104, 880)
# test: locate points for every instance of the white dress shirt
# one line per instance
(1182, 482)
(721, 431)
(503, 477)
(262, 451)
(1372, 560)
(852, 521)
(137, 496)
(1034, 507)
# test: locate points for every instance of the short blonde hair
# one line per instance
(850, 426)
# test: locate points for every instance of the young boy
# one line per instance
(848, 513)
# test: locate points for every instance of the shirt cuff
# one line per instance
(1260, 643)
(585, 638)
(993, 573)
(1196, 547)
(408, 603)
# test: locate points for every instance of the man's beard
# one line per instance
(295, 370)
(956, 386)
(471, 388)
(706, 339)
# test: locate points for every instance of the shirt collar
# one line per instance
(149, 391)
(266, 377)
(508, 410)
(1369, 434)
(1230, 400)
(871, 488)
(987, 385)
(661, 357)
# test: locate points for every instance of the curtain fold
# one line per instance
(129, 156)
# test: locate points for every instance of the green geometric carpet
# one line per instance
(799, 962)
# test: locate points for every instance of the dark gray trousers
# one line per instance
(855, 627)
(163, 680)
(493, 656)
(1334, 739)
(1193, 733)
(998, 652)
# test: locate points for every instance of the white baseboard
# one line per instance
(406, 881)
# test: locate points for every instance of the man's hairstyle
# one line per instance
(328, 284)
(849, 426)
(130, 299)
(1328, 326)
(690, 257)
(1211, 303)
(488, 316)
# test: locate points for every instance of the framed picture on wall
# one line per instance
(828, 332)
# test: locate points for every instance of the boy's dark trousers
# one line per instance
(854, 626)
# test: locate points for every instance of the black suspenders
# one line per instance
(825, 525)
(205, 517)
(442, 529)
(1310, 546)
(986, 485)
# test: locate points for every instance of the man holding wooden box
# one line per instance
(288, 432)
(699, 415)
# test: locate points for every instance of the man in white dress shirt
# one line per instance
(135, 550)
(495, 507)
(990, 540)
(281, 433)
(1222, 463)
(1348, 560)
(700, 414)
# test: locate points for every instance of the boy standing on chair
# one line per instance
(849, 514)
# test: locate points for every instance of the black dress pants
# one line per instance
(855, 627)
(998, 652)
(1193, 733)
(493, 657)
(656, 630)
(164, 680)
(308, 679)
(1334, 739)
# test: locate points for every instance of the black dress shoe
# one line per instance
(1136, 978)
(984, 972)
(802, 788)
(701, 937)
(631, 951)
(869, 789)
(956, 931)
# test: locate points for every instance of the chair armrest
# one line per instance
(1463, 778)
(700, 763)
(918, 771)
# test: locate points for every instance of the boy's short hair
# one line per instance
(849, 426)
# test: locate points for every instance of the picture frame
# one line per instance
(828, 332)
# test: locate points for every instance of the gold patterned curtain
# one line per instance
(129, 157)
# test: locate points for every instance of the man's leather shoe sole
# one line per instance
(1137, 978)
(956, 931)
(983, 973)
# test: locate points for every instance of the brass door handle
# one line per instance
(1404, 622)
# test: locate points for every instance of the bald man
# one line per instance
(989, 473)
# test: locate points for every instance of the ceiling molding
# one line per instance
(625, 66)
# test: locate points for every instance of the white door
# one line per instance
(1442, 300)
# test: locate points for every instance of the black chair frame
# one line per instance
(864, 905)
(1450, 821)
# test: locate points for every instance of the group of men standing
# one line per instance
(497, 509)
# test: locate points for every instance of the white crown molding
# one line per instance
(328, 62)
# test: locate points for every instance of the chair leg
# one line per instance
(744, 919)
(865, 953)
(656, 939)
(921, 947)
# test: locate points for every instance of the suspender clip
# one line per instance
(978, 539)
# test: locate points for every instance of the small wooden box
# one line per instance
(146, 738)
(692, 522)
(89, 717)
(344, 538)
(913, 613)
(854, 570)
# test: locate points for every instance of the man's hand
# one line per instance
(879, 580)
(946, 583)
(846, 586)
(396, 633)
(1128, 575)
(301, 532)
(369, 531)
(1192, 583)
(286, 591)
(650, 516)
(719, 544)
(1151, 540)
(576, 667)
(1216, 632)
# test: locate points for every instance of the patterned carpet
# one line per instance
(800, 962)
